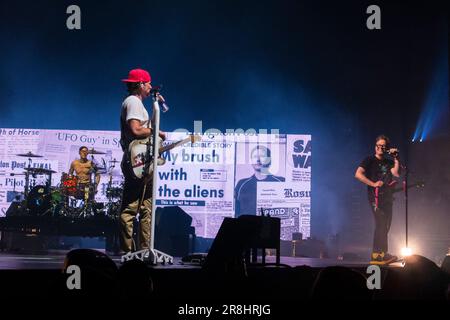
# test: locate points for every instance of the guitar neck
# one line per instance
(173, 145)
(418, 185)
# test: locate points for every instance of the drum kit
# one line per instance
(70, 198)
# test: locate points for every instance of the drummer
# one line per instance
(84, 168)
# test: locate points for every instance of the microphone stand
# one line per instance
(405, 187)
(405, 192)
(151, 255)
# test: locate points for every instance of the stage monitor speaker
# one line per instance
(173, 232)
(236, 236)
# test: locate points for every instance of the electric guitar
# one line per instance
(137, 153)
(392, 190)
(392, 187)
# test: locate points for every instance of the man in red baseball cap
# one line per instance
(135, 124)
(138, 75)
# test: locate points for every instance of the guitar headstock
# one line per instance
(420, 184)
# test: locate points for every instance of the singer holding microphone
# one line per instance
(135, 124)
(378, 172)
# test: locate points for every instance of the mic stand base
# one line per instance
(150, 256)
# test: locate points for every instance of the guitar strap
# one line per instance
(377, 191)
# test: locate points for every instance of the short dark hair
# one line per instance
(133, 87)
(82, 147)
(383, 137)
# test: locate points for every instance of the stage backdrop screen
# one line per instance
(218, 176)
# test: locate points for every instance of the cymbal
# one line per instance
(93, 151)
(114, 161)
(29, 154)
(39, 170)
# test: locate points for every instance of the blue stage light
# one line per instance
(435, 109)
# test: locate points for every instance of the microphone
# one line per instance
(164, 106)
(155, 91)
(394, 153)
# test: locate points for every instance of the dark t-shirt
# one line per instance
(378, 170)
(245, 193)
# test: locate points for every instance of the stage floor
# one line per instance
(41, 275)
(55, 259)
